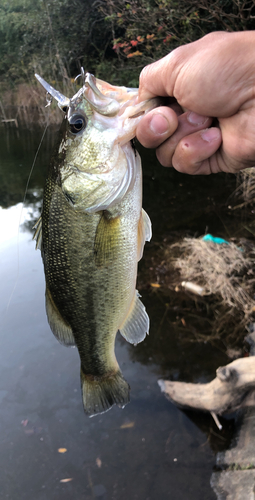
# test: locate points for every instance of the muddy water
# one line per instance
(150, 450)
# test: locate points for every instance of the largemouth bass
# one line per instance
(92, 231)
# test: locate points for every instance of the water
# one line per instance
(150, 450)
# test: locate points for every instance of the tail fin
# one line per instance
(101, 393)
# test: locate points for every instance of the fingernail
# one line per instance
(159, 124)
(196, 119)
(211, 134)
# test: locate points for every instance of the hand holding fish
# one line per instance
(212, 78)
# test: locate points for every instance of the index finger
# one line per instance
(152, 80)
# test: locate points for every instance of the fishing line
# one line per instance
(23, 203)
(31, 170)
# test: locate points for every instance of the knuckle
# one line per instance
(144, 75)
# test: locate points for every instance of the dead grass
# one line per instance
(27, 101)
(226, 274)
(245, 191)
(225, 269)
(27, 104)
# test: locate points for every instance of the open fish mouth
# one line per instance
(104, 98)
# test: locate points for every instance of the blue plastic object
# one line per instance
(218, 241)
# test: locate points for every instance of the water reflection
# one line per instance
(18, 149)
(149, 450)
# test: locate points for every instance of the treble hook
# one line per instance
(82, 74)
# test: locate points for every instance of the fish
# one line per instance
(92, 232)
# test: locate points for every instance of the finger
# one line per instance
(193, 153)
(150, 83)
(188, 123)
(156, 126)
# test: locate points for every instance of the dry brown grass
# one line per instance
(27, 101)
(225, 269)
(245, 191)
(27, 104)
(227, 276)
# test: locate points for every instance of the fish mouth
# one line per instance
(106, 99)
(103, 97)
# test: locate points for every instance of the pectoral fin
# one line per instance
(136, 324)
(106, 240)
(144, 233)
(59, 327)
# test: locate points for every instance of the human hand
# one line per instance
(213, 77)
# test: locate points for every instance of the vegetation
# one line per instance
(146, 30)
(113, 39)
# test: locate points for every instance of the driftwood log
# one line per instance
(231, 389)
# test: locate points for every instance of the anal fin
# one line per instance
(136, 325)
(58, 325)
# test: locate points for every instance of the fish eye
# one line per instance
(77, 123)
